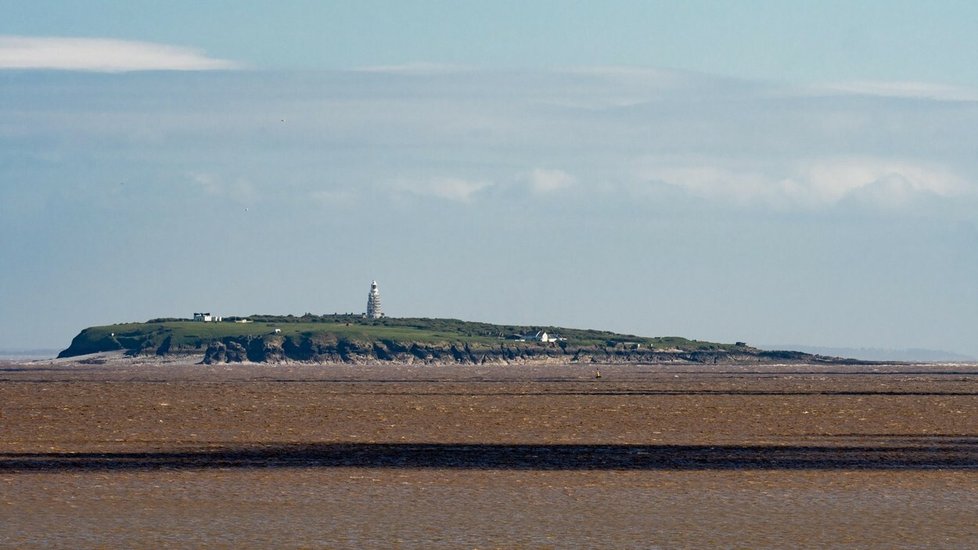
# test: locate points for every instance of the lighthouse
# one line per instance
(373, 302)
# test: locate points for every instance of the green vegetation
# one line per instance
(324, 337)
(186, 335)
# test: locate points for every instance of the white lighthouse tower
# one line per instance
(373, 302)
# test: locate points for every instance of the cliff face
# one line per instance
(88, 342)
(279, 349)
(429, 341)
(327, 350)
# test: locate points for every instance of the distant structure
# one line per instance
(207, 318)
(539, 336)
(373, 302)
(542, 336)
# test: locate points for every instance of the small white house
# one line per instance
(543, 336)
(207, 318)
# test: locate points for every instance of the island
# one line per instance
(351, 338)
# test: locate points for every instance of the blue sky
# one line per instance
(801, 41)
(773, 172)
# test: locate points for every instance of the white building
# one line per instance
(542, 336)
(207, 317)
(373, 302)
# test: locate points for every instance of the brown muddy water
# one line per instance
(126, 455)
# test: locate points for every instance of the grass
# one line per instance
(185, 334)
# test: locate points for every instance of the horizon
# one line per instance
(754, 172)
(866, 354)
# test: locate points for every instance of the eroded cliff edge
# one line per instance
(351, 339)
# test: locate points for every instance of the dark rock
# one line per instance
(216, 353)
(164, 347)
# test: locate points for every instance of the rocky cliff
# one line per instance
(283, 349)
(351, 339)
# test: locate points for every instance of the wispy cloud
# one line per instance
(901, 89)
(102, 55)
(812, 183)
(544, 180)
(453, 189)
(492, 137)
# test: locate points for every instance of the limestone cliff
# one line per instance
(353, 339)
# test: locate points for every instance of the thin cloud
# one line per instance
(645, 74)
(102, 55)
(808, 184)
(901, 89)
(544, 180)
(453, 189)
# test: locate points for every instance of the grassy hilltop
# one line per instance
(330, 338)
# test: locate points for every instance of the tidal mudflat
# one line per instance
(122, 454)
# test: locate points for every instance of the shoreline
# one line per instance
(661, 359)
(115, 366)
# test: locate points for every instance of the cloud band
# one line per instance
(102, 55)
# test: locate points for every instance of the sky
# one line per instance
(768, 172)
